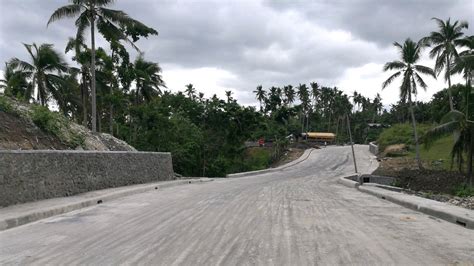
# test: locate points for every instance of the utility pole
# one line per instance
(352, 143)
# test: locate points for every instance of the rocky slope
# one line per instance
(31, 127)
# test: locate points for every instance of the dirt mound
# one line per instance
(29, 127)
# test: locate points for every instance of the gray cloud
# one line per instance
(269, 43)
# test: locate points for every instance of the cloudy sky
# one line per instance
(220, 45)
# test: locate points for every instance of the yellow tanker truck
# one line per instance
(320, 136)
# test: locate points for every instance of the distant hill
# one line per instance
(32, 127)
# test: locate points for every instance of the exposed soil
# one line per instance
(290, 155)
(438, 185)
(17, 133)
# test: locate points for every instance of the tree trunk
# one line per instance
(448, 69)
(111, 113)
(415, 134)
(470, 157)
(85, 95)
(93, 92)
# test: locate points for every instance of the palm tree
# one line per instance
(191, 91)
(261, 95)
(148, 79)
(464, 64)
(82, 56)
(289, 92)
(410, 54)
(462, 128)
(445, 41)
(228, 94)
(44, 70)
(110, 23)
(14, 83)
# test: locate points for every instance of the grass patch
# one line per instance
(257, 158)
(400, 134)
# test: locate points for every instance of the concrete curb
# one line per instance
(32, 216)
(302, 158)
(453, 214)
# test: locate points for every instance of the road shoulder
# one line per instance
(20, 214)
(457, 215)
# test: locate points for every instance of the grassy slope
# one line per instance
(440, 150)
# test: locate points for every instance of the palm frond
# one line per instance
(390, 79)
(68, 11)
(420, 81)
(394, 65)
(438, 132)
(425, 70)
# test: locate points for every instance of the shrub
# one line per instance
(400, 134)
(56, 124)
(5, 105)
(464, 190)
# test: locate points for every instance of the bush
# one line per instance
(464, 191)
(400, 134)
(5, 105)
(56, 124)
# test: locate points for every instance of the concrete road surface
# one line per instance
(298, 216)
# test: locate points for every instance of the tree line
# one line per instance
(108, 91)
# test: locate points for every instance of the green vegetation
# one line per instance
(56, 124)
(5, 105)
(464, 190)
(109, 91)
(257, 158)
(400, 134)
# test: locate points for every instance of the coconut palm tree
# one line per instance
(148, 79)
(290, 94)
(464, 64)
(113, 24)
(444, 42)
(260, 95)
(456, 123)
(14, 83)
(44, 70)
(190, 91)
(410, 71)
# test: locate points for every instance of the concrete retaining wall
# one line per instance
(33, 175)
(373, 148)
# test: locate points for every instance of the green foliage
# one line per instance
(464, 190)
(399, 134)
(56, 124)
(257, 159)
(5, 105)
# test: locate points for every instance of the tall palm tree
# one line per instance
(110, 23)
(260, 95)
(148, 79)
(44, 70)
(290, 94)
(407, 68)
(303, 94)
(445, 40)
(464, 64)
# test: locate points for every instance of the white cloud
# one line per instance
(207, 79)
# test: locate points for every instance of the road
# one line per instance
(297, 216)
